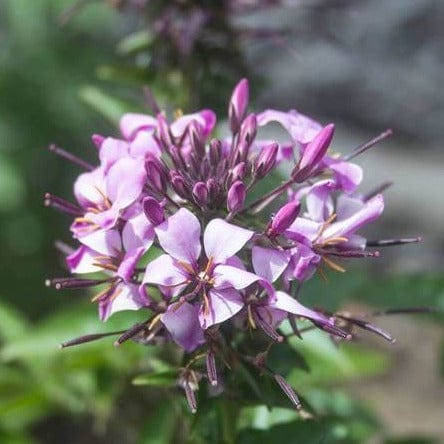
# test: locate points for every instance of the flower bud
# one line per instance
(313, 154)
(156, 174)
(179, 185)
(248, 129)
(239, 171)
(265, 160)
(97, 140)
(238, 105)
(196, 138)
(200, 193)
(163, 132)
(284, 218)
(236, 196)
(215, 152)
(153, 211)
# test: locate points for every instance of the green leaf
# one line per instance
(307, 432)
(135, 42)
(12, 322)
(166, 378)
(112, 108)
(160, 427)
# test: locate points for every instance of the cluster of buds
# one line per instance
(172, 219)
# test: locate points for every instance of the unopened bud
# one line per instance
(313, 154)
(200, 193)
(248, 129)
(156, 174)
(179, 185)
(153, 211)
(215, 151)
(163, 131)
(236, 196)
(265, 160)
(97, 140)
(284, 218)
(196, 138)
(239, 171)
(238, 105)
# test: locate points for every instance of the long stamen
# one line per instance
(364, 147)
(333, 265)
(128, 334)
(75, 283)
(70, 157)
(288, 390)
(62, 205)
(391, 242)
(89, 338)
(268, 329)
(378, 190)
(211, 368)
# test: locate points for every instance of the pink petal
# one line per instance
(131, 123)
(179, 236)
(269, 263)
(182, 322)
(111, 151)
(128, 298)
(104, 242)
(138, 232)
(226, 276)
(223, 304)
(285, 302)
(125, 181)
(144, 143)
(165, 272)
(347, 175)
(89, 188)
(223, 240)
(82, 260)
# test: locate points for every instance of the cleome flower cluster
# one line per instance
(177, 223)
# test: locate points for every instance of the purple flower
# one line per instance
(211, 281)
(117, 255)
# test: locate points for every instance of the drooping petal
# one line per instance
(301, 128)
(223, 240)
(303, 230)
(347, 175)
(205, 118)
(182, 322)
(371, 210)
(131, 123)
(129, 262)
(124, 297)
(269, 263)
(304, 262)
(285, 302)
(226, 276)
(222, 305)
(179, 236)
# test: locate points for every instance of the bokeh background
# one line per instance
(367, 66)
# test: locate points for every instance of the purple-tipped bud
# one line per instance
(200, 193)
(156, 174)
(196, 138)
(313, 154)
(236, 196)
(238, 105)
(265, 161)
(284, 218)
(215, 151)
(97, 140)
(213, 188)
(248, 129)
(239, 171)
(153, 211)
(179, 185)
(177, 158)
(163, 132)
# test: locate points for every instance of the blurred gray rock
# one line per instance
(371, 63)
